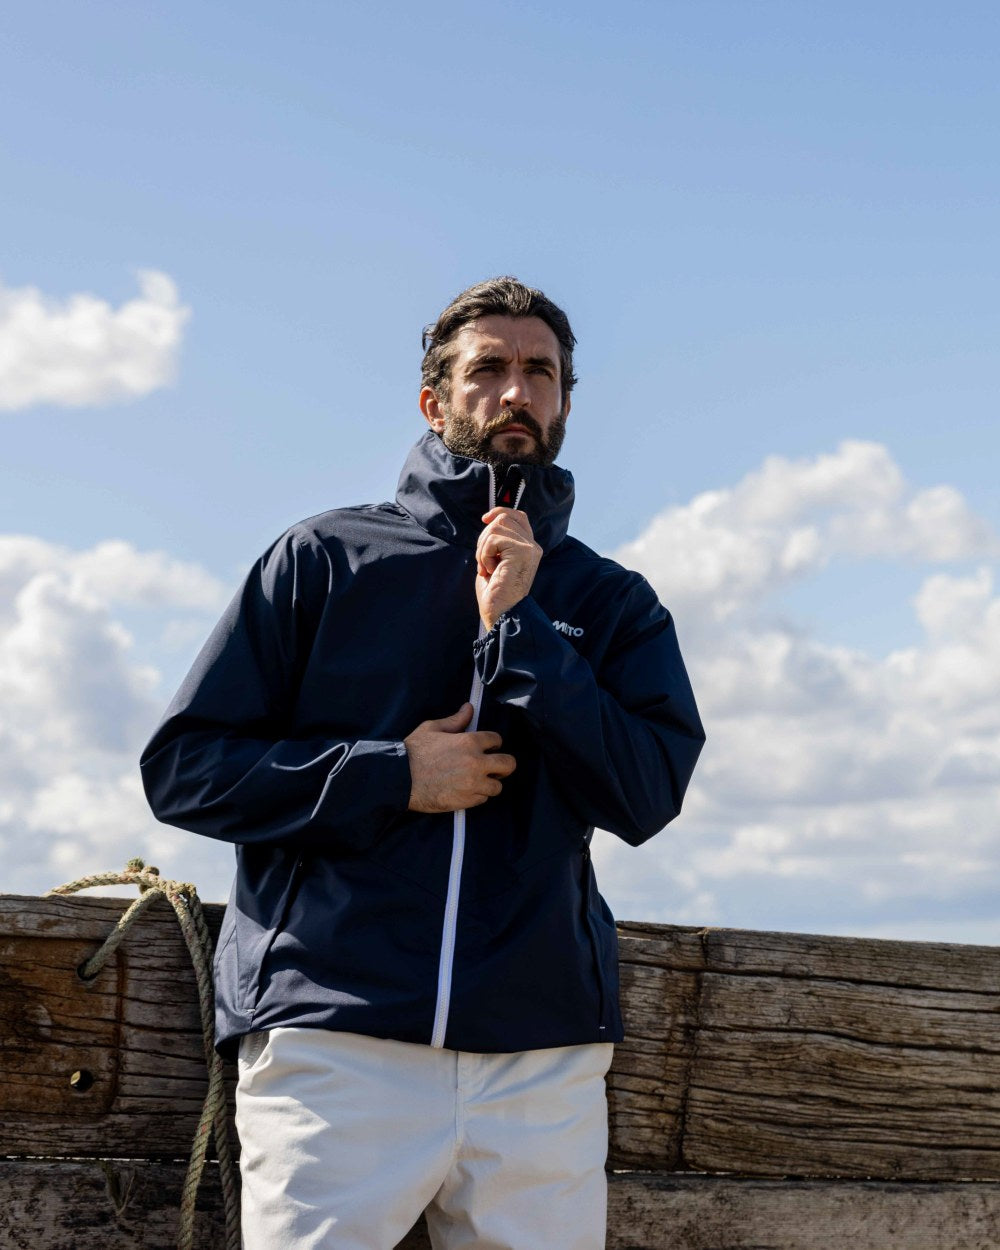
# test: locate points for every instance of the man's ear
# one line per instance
(567, 406)
(430, 406)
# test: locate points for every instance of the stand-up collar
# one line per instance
(448, 494)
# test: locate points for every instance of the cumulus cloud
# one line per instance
(727, 550)
(81, 350)
(77, 701)
(840, 791)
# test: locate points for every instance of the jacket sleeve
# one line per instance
(623, 741)
(223, 762)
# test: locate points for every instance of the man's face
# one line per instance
(505, 402)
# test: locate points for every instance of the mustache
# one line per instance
(513, 416)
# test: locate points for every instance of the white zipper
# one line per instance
(447, 959)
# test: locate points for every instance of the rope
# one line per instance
(183, 898)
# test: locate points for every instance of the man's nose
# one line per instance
(515, 392)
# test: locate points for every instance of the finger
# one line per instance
(503, 531)
(515, 516)
(487, 564)
(504, 538)
(494, 537)
(485, 740)
(494, 547)
(501, 765)
(454, 723)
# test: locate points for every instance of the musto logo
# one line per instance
(571, 631)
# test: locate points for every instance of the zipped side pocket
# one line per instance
(263, 949)
(589, 887)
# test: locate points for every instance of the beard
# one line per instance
(462, 436)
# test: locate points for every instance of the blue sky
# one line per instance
(774, 226)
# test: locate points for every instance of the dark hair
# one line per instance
(505, 297)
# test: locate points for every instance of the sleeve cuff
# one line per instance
(519, 654)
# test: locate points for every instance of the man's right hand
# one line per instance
(451, 769)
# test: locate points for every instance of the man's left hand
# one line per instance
(507, 557)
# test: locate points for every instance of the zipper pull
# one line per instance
(511, 487)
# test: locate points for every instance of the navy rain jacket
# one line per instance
(481, 930)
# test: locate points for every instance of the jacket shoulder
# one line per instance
(619, 596)
(610, 574)
(318, 553)
(339, 525)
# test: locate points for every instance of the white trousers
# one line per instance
(346, 1139)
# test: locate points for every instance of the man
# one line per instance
(409, 721)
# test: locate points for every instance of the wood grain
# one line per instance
(134, 1028)
(796, 1054)
(116, 1205)
(763, 1054)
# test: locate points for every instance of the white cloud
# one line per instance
(839, 791)
(114, 571)
(77, 703)
(728, 549)
(82, 351)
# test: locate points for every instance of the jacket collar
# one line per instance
(448, 494)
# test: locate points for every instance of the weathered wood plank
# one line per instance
(833, 1078)
(134, 1031)
(800, 1055)
(650, 1072)
(94, 1205)
(102, 1205)
(650, 1212)
(771, 1054)
(929, 965)
(877, 961)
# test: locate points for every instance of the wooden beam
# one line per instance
(792, 1054)
(134, 1032)
(759, 1053)
(101, 1205)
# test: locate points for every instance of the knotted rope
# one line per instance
(183, 898)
